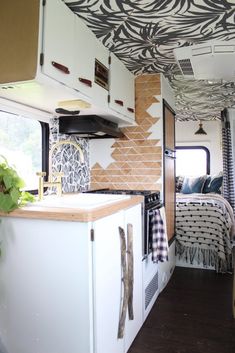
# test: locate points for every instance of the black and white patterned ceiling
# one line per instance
(143, 34)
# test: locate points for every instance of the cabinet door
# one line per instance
(58, 41)
(84, 58)
(169, 128)
(129, 95)
(46, 284)
(169, 168)
(121, 88)
(19, 40)
(107, 278)
(133, 217)
(101, 73)
(169, 195)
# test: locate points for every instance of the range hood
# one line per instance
(89, 126)
(209, 61)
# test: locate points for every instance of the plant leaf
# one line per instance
(26, 197)
(15, 194)
(8, 180)
(6, 203)
(11, 196)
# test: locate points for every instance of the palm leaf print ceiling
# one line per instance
(143, 34)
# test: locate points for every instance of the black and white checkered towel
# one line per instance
(159, 243)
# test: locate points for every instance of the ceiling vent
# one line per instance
(209, 61)
(186, 67)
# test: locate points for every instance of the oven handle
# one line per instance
(154, 207)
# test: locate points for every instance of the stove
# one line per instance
(150, 197)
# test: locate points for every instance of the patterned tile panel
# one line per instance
(66, 159)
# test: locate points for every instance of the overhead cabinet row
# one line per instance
(55, 61)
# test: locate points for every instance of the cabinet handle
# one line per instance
(66, 111)
(60, 67)
(122, 319)
(127, 264)
(131, 110)
(130, 270)
(119, 102)
(85, 81)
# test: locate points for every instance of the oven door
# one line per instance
(147, 239)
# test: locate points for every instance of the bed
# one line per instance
(204, 231)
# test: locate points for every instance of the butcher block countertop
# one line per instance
(75, 207)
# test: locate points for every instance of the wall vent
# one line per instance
(151, 290)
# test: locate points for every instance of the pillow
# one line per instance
(178, 183)
(193, 184)
(213, 184)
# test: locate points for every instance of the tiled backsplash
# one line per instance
(66, 158)
(137, 158)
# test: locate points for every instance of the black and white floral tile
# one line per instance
(66, 158)
(143, 34)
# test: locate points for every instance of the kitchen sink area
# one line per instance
(82, 201)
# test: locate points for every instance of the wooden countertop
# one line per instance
(73, 214)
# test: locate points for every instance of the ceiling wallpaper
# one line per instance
(143, 34)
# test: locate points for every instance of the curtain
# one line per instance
(228, 164)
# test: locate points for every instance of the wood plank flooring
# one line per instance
(193, 314)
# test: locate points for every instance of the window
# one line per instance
(192, 161)
(23, 142)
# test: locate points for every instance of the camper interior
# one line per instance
(119, 117)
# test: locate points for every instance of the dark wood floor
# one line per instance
(193, 314)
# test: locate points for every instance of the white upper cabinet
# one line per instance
(83, 79)
(58, 41)
(122, 88)
(90, 65)
(101, 75)
(60, 63)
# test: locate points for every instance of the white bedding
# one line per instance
(204, 230)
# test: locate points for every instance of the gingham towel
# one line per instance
(159, 240)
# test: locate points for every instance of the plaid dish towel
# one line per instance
(159, 243)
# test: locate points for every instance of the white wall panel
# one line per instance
(185, 137)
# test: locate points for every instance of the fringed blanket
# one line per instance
(204, 230)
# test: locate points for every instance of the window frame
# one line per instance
(208, 158)
(45, 151)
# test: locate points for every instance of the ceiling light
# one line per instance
(200, 131)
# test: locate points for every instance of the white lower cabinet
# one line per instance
(108, 284)
(61, 291)
(133, 216)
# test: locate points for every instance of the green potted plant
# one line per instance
(11, 196)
